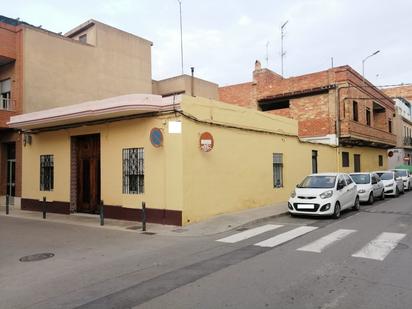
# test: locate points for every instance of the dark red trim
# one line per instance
(53, 207)
(153, 215)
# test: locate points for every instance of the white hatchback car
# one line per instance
(393, 183)
(370, 187)
(324, 194)
(406, 178)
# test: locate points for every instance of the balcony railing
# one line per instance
(6, 104)
(407, 141)
(356, 130)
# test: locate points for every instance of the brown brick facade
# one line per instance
(316, 99)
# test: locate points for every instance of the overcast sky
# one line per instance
(222, 39)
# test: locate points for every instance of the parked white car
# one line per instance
(393, 183)
(325, 194)
(370, 187)
(406, 178)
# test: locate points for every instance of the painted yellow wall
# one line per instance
(60, 71)
(369, 159)
(238, 172)
(163, 166)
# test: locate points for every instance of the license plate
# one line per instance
(306, 206)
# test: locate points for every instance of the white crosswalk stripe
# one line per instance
(249, 233)
(326, 241)
(284, 237)
(380, 247)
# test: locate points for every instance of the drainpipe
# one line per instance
(337, 97)
(192, 82)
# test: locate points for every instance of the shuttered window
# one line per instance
(277, 170)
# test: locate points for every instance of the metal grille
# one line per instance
(46, 172)
(277, 170)
(133, 170)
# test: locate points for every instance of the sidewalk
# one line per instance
(214, 225)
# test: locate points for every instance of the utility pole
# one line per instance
(267, 54)
(282, 52)
(181, 33)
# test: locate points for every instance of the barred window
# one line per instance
(277, 170)
(133, 170)
(46, 173)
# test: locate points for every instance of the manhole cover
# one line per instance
(36, 257)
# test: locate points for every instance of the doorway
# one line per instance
(88, 173)
(356, 158)
(314, 161)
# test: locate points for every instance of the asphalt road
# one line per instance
(363, 260)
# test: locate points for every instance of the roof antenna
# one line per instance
(282, 35)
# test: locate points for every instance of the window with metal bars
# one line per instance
(46, 173)
(277, 170)
(133, 171)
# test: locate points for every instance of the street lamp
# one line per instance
(181, 33)
(363, 64)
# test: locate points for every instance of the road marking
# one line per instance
(284, 237)
(326, 241)
(249, 233)
(380, 247)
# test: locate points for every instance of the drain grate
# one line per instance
(36, 257)
(148, 233)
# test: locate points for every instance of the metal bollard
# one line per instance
(7, 204)
(44, 207)
(101, 213)
(143, 216)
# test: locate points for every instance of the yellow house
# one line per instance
(188, 158)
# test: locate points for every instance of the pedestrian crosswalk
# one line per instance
(376, 249)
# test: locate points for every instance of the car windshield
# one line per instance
(318, 182)
(401, 173)
(361, 179)
(385, 176)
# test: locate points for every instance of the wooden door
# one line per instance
(88, 173)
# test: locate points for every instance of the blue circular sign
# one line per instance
(156, 137)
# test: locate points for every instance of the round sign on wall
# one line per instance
(206, 142)
(156, 137)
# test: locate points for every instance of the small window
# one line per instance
(83, 38)
(314, 161)
(46, 173)
(355, 111)
(390, 125)
(133, 171)
(380, 160)
(345, 159)
(277, 170)
(368, 117)
(5, 94)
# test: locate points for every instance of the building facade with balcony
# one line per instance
(336, 106)
(40, 69)
(402, 154)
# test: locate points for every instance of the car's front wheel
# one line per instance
(356, 206)
(336, 211)
(371, 199)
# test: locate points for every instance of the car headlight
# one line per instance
(389, 185)
(361, 191)
(327, 194)
(293, 194)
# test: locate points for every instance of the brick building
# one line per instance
(336, 106)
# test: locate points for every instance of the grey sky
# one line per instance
(222, 39)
